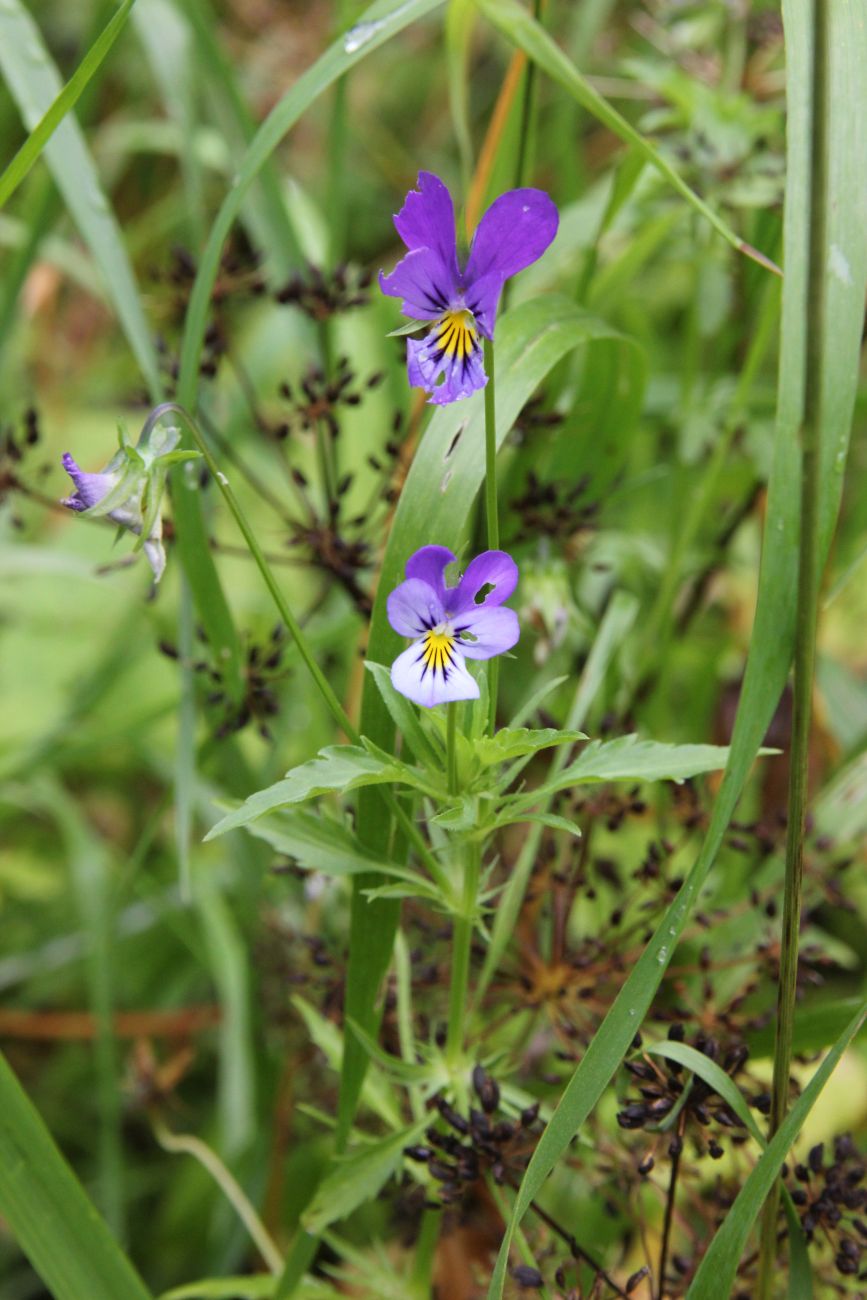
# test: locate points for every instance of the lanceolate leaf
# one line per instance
(336, 769)
(358, 1178)
(631, 759)
(49, 1212)
(320, 844)
(772, 640)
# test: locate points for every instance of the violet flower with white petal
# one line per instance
(129, 490)
(461, 299)
(450, 624)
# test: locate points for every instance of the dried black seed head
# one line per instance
(528, 1278)
(487, 1090)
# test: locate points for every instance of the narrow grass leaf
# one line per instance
(35, 84)
(49, 1213)
(771, 644)
(42, 132)
(716, 1273)
(518, 26)
(800, 1276)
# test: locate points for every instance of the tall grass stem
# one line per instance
(462, 942)
(809, 581)
(491, 515)
(451, 747)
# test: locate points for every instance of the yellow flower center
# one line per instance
(457, 334)
(437, 650)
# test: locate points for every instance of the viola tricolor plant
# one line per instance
(450, 624)
(129, 490)
(460, 298)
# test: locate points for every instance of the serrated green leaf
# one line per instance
(630, 759)
(551, 820)
(409, 1071)
(336, 769)
(517, 742)
(358, 1178)
(320, 844)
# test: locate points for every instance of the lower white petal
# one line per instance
(415, 679)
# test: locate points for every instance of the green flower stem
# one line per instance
(451, 747)
(491, 516)
(809, 582)
(423, 1255)
(462, 942)
(335, 708)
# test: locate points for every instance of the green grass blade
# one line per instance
(378, 23)
(773, 631)
(66, 100)
(716, 1274)
(35, 84)
(49, 1212)
(90, 869)
(616, 622)
(264, 210)
(800, 1276)
(519, 27)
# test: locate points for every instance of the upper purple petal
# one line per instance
(494, 631)
(429, 564)
(427, 220)
(513, 233)
(90, 489)
(496, 569)
(421, 282)
(414, 607)
(482, 297)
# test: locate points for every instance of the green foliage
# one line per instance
(473, 923)
(49, 1212)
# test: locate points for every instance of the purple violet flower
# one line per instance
(461, 300)
(449, 624)
(129, 490)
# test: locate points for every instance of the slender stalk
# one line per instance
(524, 162)
(451, 747)
(462, 942)
(421, 1280)
(809, 581)
(669, 1216)
(335, 708)
(186, 1144)
(491, 515)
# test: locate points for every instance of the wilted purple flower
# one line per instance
(129, 490)
(461, 299)
(450, 623)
